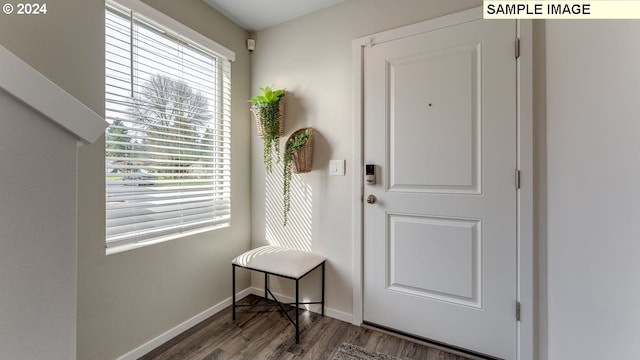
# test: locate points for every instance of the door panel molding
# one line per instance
(525, 261)
(464, 237)
(458, 116)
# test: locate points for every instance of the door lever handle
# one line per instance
(371, 199)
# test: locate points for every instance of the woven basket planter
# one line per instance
(256, 115)
(301, 160)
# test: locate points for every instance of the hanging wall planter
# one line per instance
(256, 115)
(301, 150)
(297, 158)
(268, 108)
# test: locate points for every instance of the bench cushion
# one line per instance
(279, 261)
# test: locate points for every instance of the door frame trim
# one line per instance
(525, 249)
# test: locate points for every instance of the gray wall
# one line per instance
(66, 46)
(127, 299)
(37, 236)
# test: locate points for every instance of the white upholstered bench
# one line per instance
(286, 263)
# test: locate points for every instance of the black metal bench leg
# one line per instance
(297, 311)
(233, 291)
(322, 305)
(286, 312)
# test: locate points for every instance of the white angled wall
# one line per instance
(37, 236)
(593, 135)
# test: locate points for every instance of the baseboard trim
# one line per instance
(171, 333)
(332, 313)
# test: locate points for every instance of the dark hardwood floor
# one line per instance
(264, 333)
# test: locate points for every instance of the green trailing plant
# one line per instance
(293, 145)
(267, 107)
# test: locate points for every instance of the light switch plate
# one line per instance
(336, 167)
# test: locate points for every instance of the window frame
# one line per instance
(158, 19)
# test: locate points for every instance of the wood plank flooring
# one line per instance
(264, 333)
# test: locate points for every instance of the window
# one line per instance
(167, 148)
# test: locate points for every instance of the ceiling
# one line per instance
(254, 15)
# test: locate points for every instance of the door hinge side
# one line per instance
(518, 311)
(517, 48)
(517, 179)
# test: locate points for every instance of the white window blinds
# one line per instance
(167, 154)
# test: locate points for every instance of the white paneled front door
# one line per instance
(440, 231)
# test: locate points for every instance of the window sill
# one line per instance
(119, 248)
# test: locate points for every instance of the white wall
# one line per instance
(37, 236)
(540, 313)
(311, 58)
(593, 134)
